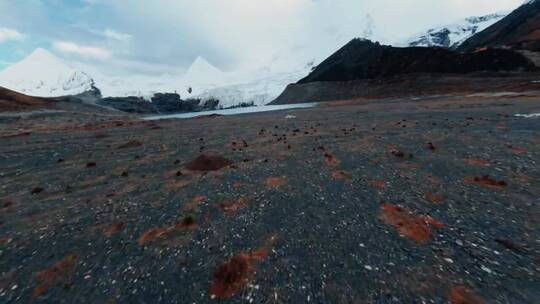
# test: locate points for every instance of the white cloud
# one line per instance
(114, 35)
(85, 51)
(9, 34)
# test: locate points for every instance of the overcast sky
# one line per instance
(165, 35)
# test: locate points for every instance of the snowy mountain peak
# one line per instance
(41, 54)
(453, 35)
(202, 71)
(44, 74)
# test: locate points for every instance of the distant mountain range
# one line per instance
(44, 74)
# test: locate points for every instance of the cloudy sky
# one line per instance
(158, 36)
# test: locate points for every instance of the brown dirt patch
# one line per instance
(153, 234)
(238, 271)
(434, 197)
(414, 227)
(60, 272)
(231, 207)
(114, 229)
(462, 294)
(205, 163)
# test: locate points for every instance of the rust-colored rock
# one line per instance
(434, 197)
(152, 234)
(232, 276)
(236, 273)
(114, 229)
(462, 294)
(476, 162)
(517, 149)
(231, 207)
(208, 163)
(378, 184)
(331, 160)
(341, 174)
(509, 244)
(415, 227)
(275, 182)
(487, 181)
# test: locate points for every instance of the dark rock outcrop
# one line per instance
(160, 103)
(520, 30)
(131, 104)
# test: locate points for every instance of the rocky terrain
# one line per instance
(359, 201)
(416, 181)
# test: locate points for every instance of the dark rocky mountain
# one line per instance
(520, 30)
(363, 59)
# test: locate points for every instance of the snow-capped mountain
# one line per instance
(202, 72)
(453, 35)
(259, 91)
(44, 74)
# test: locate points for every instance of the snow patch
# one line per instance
(532, 115)
(453, 35)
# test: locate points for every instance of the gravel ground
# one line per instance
(397, 201)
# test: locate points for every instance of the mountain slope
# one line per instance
(45, 75)
(520, 30)
(13, 101)
(363, 59)
(453, 35)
